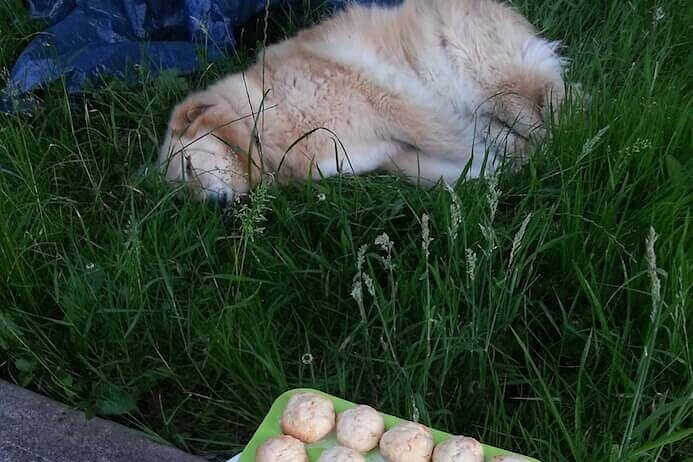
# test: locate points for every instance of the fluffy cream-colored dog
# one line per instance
(429, 89)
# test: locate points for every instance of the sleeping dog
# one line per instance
(430, 89)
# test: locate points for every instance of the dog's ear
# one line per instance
(194, 112)
(528, 91)
(187, 112)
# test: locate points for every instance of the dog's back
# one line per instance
(451, 60)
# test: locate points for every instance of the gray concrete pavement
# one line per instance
(36, 429)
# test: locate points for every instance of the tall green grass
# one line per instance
(547, 312)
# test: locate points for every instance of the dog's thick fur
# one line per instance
(425, 89)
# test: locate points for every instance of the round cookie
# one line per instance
(407, 442)
(341, 454)
(281, 449)
(360, 428)
(459, 449)
(308, 417)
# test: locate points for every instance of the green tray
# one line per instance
(270, 427)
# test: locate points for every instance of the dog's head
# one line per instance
(531, 90)
(208, 148)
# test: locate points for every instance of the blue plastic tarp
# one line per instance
(88, 39)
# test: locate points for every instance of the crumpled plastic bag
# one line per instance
(89, 39)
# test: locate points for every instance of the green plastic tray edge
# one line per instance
(270, 427)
